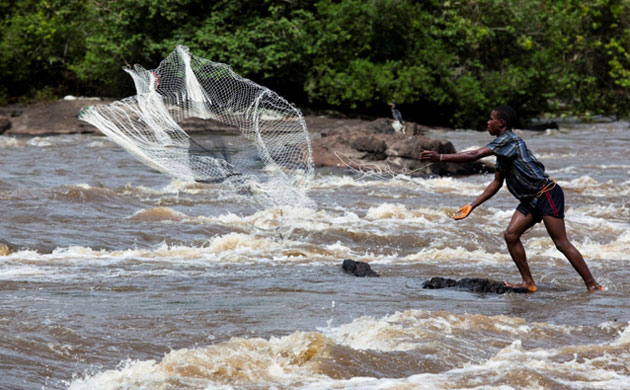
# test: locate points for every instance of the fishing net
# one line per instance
(264, 153)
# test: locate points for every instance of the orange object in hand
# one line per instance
(463, 212)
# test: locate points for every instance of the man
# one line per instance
(541, 198)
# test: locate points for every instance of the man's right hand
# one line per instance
(463, 212)
(429, 155)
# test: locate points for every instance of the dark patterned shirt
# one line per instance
(523, 174)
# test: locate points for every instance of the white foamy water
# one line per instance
(494, 346)
(11, 142)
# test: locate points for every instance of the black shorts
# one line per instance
(549, 203)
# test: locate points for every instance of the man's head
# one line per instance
(508, 114)
(501, 118)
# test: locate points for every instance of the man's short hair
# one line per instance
(508, 114)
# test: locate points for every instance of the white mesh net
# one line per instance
(268, 155)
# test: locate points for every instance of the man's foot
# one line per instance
(531, 287)
(595, 287)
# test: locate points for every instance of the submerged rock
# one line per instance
(358, 268)
(472, 284)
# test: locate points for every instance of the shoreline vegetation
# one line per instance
(443, 63)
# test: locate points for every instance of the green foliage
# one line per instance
(445, 62)
(127, 32)
(37, 41)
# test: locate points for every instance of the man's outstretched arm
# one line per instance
(460, 157)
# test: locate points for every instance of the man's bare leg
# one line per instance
(558, 233)
(518, 225)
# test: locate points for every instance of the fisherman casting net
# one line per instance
(268, 156)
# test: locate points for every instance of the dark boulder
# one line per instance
(374, 148)
(473, 284)
(358, 268)
(541, 126)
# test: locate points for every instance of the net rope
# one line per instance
(268, 156)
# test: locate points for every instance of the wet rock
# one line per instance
(358, 268)
(12, 110)
(472, 284)
(376, 146)
(368, 146)
(59, 117)
(541, 126)
(5, 123)
(198, 125)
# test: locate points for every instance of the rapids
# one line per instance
(113, 276)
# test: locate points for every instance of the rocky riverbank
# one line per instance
(380, 145)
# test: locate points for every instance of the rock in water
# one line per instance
(541, 126)
(5, 123)
(472, 284)
(358, 268)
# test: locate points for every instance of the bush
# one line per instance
(442, 62)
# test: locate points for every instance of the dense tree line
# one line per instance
(442, 62)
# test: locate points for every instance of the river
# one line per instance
(121, 278)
